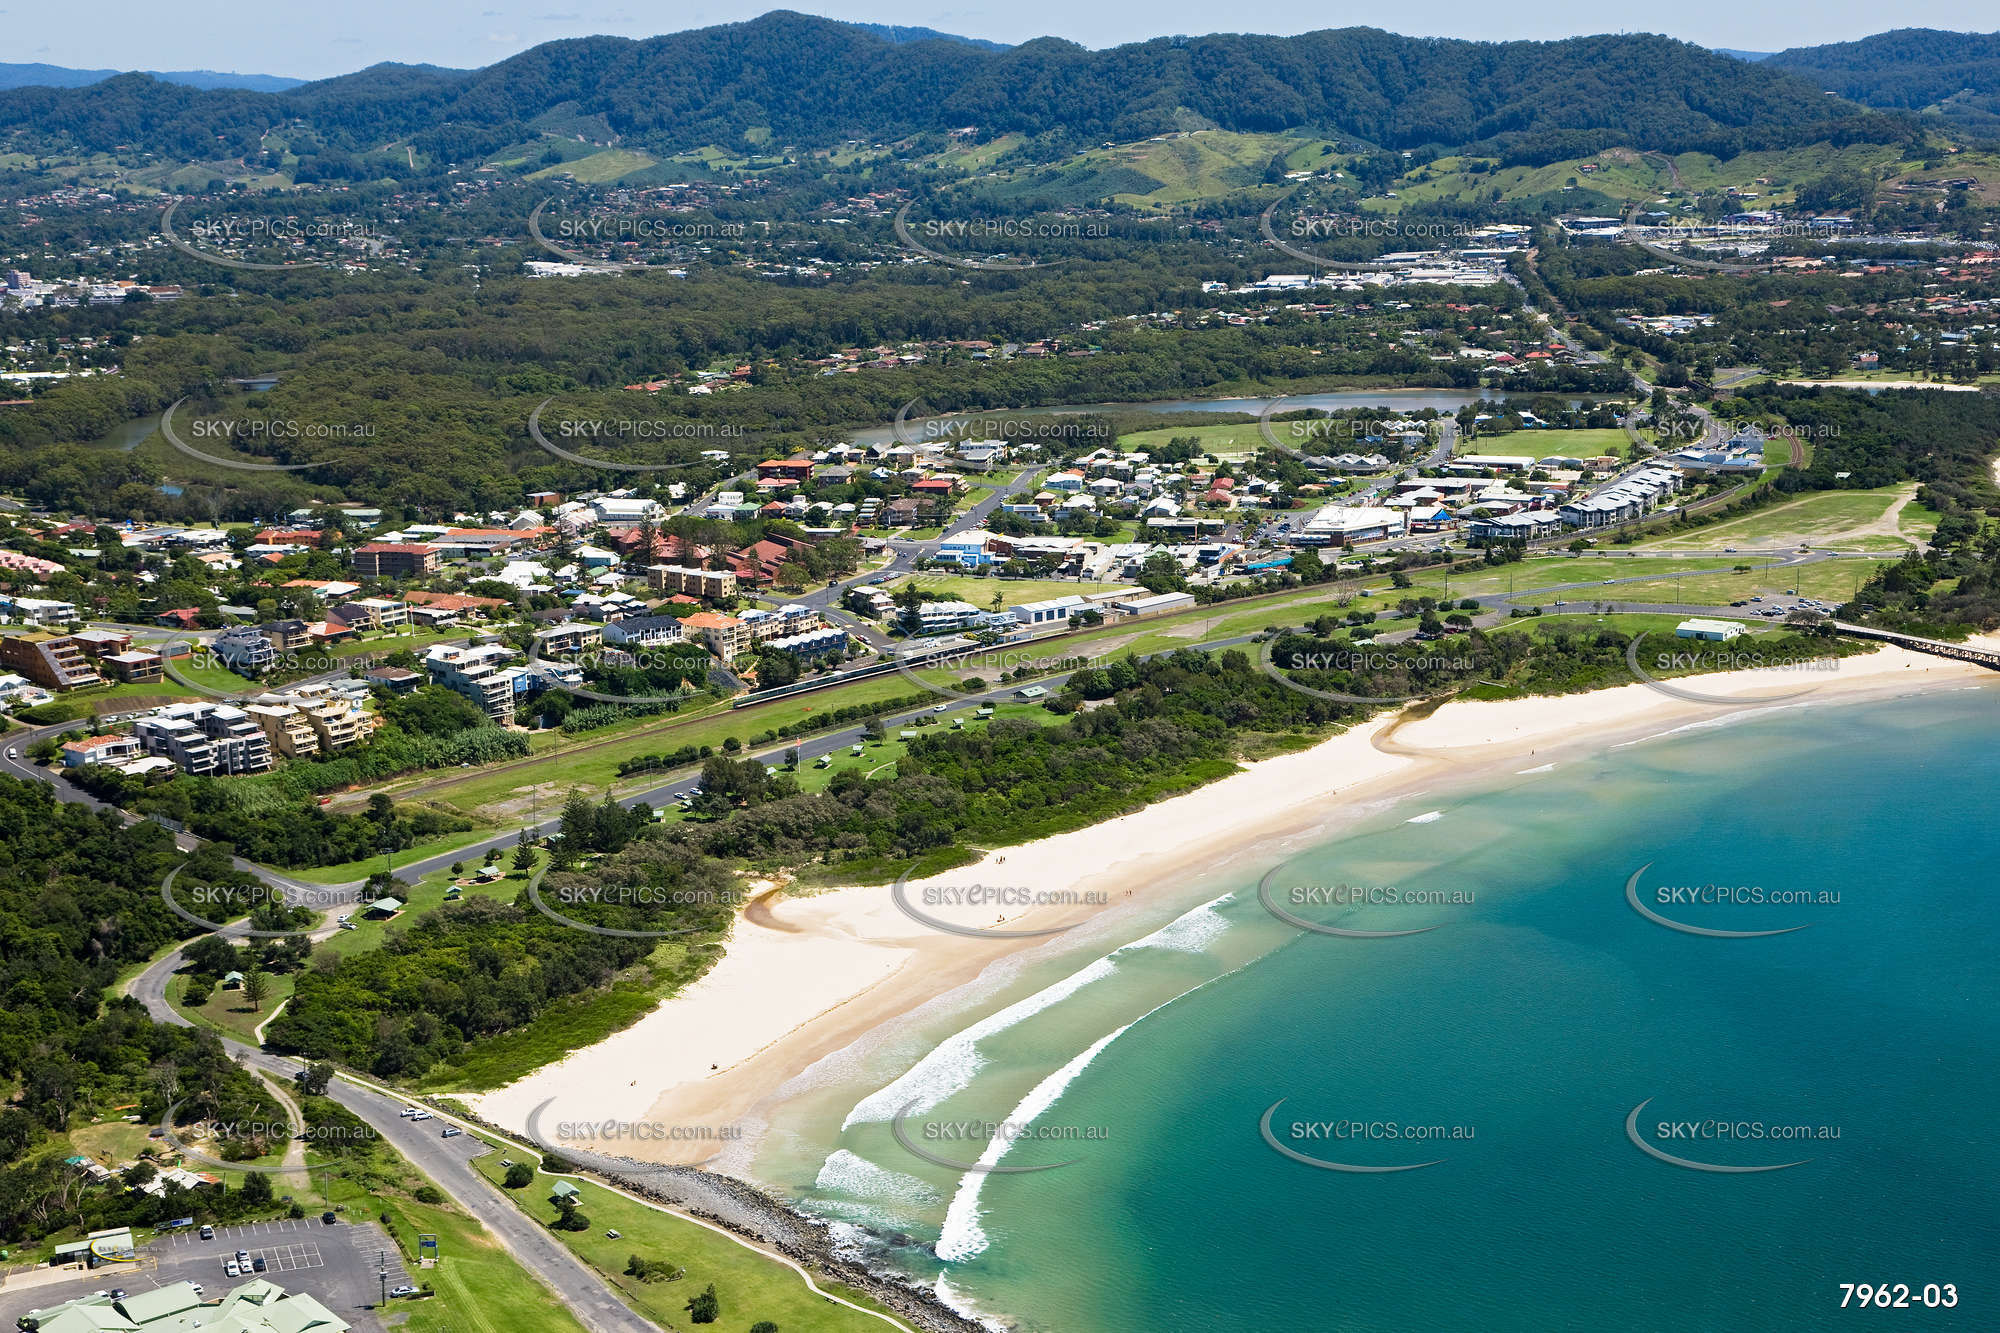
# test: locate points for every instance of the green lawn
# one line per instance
(751, 1286)
(1013, 592)
(1550, 443)
(227, 1011)
(1830, 580)
(1823, 518)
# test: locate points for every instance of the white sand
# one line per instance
(805, 977)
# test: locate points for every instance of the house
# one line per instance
(397, 680)
(99, 750)
(968, 550)
(136, 667)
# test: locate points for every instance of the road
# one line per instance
(445, 1161)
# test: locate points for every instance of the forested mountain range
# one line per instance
(62, 76)
(1958, 73)
(813, 82)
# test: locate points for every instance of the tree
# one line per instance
(524, 854)
(763, 1326)
(315, 1078)
(256, 1189)
(256, 987)
(520, 1176)
(705, 1308)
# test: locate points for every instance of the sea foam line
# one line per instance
(952, 1065)
(963, 1237)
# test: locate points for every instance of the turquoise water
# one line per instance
(1533, 1019)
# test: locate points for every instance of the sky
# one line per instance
(316, 40)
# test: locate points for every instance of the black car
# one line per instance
(328, 1218)
(257, 1265)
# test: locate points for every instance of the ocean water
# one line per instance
(1516, 1038)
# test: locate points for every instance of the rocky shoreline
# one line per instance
(744, 1210)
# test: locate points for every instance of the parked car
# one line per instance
(230, 1269)
(452, 1131)
(257, 1265)
(207, 1231)
(405, 1290)
(328, 1218)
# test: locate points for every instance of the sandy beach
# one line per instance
(804, 977)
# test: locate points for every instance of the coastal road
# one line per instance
(448, 1162)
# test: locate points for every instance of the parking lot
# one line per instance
(341, 1265)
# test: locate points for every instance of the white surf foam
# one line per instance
(963, 1237)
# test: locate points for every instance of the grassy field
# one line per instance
(1228, 441)
(1550, 443)
(227, 1011)
(1013, 592)
(1830, 580)
(1824, 518)
(750, 1285)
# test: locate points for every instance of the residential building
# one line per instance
(481, 674)
(644, 631)
(1522, 525)
(205, 738)
(396, 560)
(136, 667)
(726, 636)
(708, 584)
(370, 613)
(56, 661)
(568, 637)
(937, 617)
(99, 750)
(813, 644)
(245, 649)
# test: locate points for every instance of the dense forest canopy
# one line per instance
(813, 82)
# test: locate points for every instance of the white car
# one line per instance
(420, 1115)
(230, 1269)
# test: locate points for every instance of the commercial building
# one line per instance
(1054, 611)
(1714, 631)
(1340, 525)
(255, 1307)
